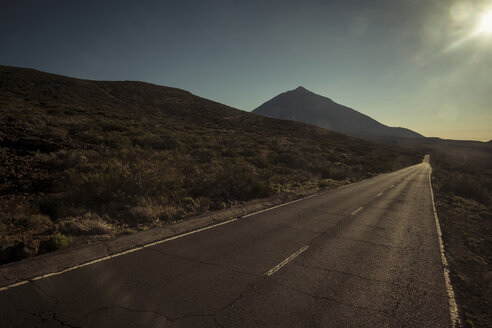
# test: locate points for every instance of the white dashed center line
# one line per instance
(357, 211)
(287, 260)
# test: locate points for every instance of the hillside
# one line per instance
(305, 106)
(81, 160)
(462, 180)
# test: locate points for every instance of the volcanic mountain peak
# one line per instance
(301, 89)
(305, 106)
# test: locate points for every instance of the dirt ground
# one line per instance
(467, 233)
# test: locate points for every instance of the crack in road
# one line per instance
(215, 313)
(124, 308)
(53, 311)
(63, 323)
(401, 290)
(329, 299)
(39, 316)
(231, 304)
(128, 309)
(386, 314)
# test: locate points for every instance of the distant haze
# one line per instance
(416, 64)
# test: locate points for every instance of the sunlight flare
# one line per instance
(486, 22)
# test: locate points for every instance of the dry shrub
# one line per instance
(54, 243)
(337, 173)
(88, 224)
(466, 186)
(149, 210)
(329, 184)
(38, 221)
(17, 210)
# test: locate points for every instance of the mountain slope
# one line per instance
(305, 106)
(89, 159)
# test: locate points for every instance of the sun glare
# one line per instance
(486, 23)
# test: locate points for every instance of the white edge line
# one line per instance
(356, 182)
(453, 307)
(23, 282)
(357, 210)
(318, 194)
(277, 206)
(287, 260)
(20, 283)
(341, 187)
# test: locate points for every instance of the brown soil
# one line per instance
(465, 213)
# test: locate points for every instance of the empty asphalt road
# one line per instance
(366, 255)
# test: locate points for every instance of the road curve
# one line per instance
(366, 255)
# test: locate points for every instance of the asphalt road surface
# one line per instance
(366, 255)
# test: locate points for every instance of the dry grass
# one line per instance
(463, 186)
(87, 224)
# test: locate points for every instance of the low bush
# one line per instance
(87, 224)
(466, 186)
(54, 243)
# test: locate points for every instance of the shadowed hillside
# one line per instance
(305, 106)
(81, 160)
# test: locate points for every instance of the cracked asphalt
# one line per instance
(380, 267)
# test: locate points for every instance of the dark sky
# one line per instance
(413, 63)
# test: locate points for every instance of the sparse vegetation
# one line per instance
(93, 159)
(53, 243)
(462, 183)
(129, 231)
